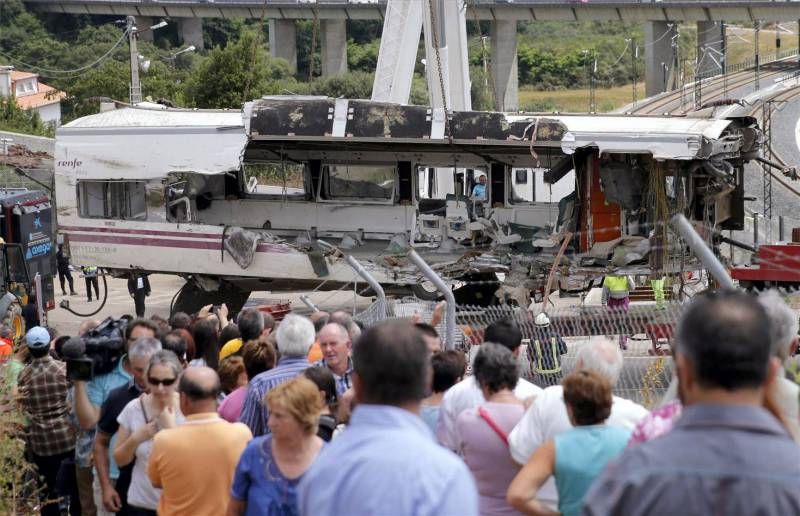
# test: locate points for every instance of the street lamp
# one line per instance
(190, 48)
(133, 35)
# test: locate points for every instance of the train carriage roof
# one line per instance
(302, 128)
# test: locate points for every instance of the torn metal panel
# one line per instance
(137, 143)
(472, 125)
(662, 137)
(292, 116)
(242, 244)
(382, 120)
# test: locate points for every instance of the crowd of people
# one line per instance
(205, 414)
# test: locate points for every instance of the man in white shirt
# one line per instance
(466, 394)
(784, 345)
(547, 416)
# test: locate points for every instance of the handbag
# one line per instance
(484, 414)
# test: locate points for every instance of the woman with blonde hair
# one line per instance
(270, 468)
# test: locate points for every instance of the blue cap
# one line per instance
(37, 338)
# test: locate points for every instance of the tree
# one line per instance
(229, 76)
(15, 119)
(110, 81)
(363, 57)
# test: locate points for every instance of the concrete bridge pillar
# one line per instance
(659, 56)
(190, 31)
(334, 47)
(283, 41)
(504, 64)
(710, 47)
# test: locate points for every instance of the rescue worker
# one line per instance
(547, 349)
(62, 262)
(616, 296)
(659, 296)
(139, 288)
(90, 275)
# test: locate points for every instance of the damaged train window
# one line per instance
(359, 182)
(523, 185)
(442, 183)
(280, 179)
(112, 199)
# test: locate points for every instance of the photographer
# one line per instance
(89, 396)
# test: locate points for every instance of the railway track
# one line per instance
(757, 112)
(675, 102)
(716, 88)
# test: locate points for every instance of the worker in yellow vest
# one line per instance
(546, 351)
(616, 296)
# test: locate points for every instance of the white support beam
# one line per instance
(398, 53)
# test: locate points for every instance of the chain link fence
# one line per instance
(644, 331)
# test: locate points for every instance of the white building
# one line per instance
(32, 94)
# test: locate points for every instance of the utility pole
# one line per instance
(676, 59)
(757, 34)
(766, 126)
(634, 57)
(724, 60)
(698, 80)
(135, 86)
(592, 85)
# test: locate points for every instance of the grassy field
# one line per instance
(576, 101)
(740, 41)
(740, 48)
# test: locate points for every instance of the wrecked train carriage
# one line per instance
(257, 200)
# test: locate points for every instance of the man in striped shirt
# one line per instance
(295, 335)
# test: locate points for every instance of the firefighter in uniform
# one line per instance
(547, 349)
(90, 275)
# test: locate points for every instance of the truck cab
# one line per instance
(27, 253)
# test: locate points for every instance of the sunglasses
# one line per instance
(166, 382)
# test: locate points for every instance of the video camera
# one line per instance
(97, 352)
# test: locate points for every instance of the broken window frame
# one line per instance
(284, 194)
(323, 188)
(511, 181)
(469, 181)
(117, 199)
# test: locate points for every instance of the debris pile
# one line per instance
(22, 157)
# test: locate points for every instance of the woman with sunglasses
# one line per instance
(140, 420)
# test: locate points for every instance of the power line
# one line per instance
(670, 26)
(55, 73)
